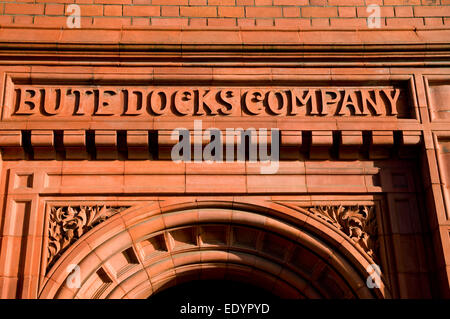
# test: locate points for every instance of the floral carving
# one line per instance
(358, 222)
(68, 223)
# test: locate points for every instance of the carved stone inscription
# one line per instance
(49, 101)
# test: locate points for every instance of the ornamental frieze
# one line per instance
(68, 223)
(140, 102)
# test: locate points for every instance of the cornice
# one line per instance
(396, 46)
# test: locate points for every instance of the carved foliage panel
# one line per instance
(68, 223)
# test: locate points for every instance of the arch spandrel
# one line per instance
(164, 242)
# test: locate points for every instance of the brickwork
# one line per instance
(226, 13)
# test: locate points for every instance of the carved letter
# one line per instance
(184, 102)
(54, 101)
(297, 95)
(231, 99)
(84, 101)
(277, 106)
(392, 100)
(349, 100)
(207, 98)
(327, 101)
(367, 100)
(254, 101)
(28, 101)
(108, 101)
(158, 102)
(134, 102)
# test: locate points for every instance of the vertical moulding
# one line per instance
(18, 252)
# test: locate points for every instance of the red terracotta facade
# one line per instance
(89, 187)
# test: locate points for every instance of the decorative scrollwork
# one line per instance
(358, 222)
(68, 223)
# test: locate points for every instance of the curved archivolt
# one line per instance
(140, 251)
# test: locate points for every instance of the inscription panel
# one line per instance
(25, 102)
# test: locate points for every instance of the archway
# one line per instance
(144, 250)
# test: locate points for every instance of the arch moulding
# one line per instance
(291, 251)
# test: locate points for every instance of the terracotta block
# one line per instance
(382, 138)
(106, 144)
(11, 145)
(75, 144)
(43, 144)
(350, 144)
(137, 142)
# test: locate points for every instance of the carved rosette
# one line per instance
(358, 222)
(68, 223)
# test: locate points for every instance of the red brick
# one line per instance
(434, 21)
(263, 2)
(197, 2)
(170, 21)
(141, 21)
(198, 11)
(320, 22)
(23, 19)
(403, 12)
(67, 1)
(222, 22)
(384, 11)
(142, 2)
(432, 11)
(262, 12)
(264, 22)
(290, 2)
(170, 2)
(59, 1)
(221, 2)
(52, 21)
(88, 10)
(246, 22)
(350, 23)
(231, 12)
(292, 22)
(291, 12)
(406, 22)
(24, 8)
(245, 2)
(111, 22)
(54, 9)
(170, 11)
(347, 12)
(109, 1)
(197, 22)
(346, 3)
(141, 11)
(401, 2)
(319, 12)
(114, 10)
(318, 2)
(5, 20)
